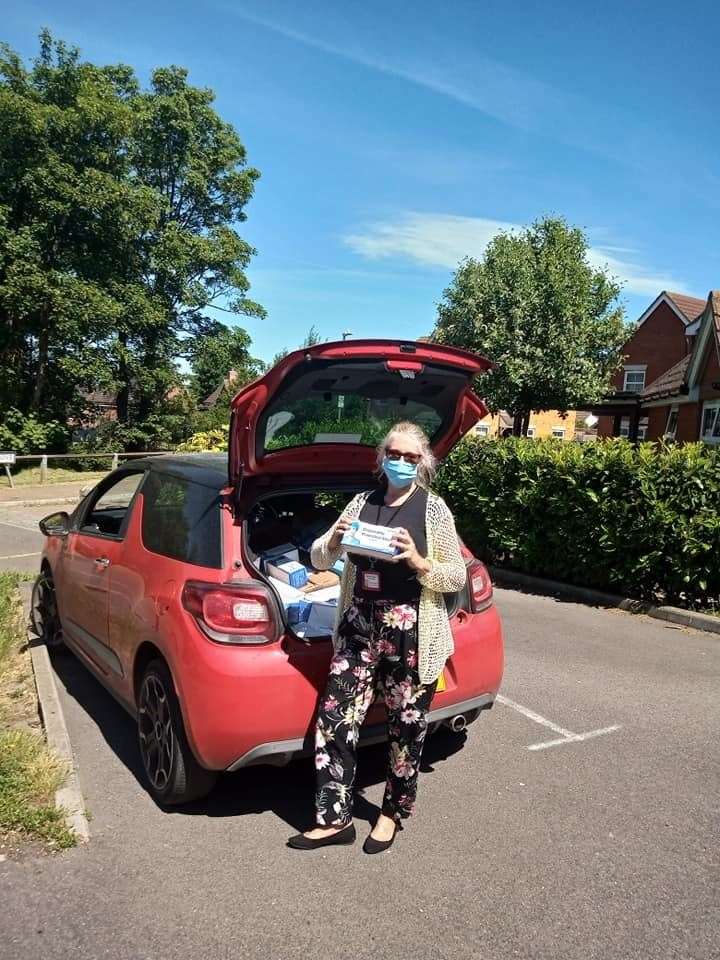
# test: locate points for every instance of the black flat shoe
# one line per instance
(345, 836)
(380, 846)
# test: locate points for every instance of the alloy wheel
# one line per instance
(44, 612)
(157, 738)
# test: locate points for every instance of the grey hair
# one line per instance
(427, 465)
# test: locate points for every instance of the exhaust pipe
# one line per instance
(457, 724)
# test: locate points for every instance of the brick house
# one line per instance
(543, 423)
(669, 385)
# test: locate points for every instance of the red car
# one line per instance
(157, 580)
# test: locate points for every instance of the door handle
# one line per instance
(103, 561)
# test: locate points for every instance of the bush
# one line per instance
(24, 433)
(642, 521)
(208, 441)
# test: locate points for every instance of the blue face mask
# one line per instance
(398, 472)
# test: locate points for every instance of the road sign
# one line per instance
(7, 456)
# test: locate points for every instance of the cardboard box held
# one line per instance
(369, 540)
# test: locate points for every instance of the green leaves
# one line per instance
(118, 230)
(215, 353)
(536, 307)
(642, 521)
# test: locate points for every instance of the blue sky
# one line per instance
(395, 137)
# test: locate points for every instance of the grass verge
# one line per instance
(29, 773)
(24, 476)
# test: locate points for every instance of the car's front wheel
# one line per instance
(44, 612)
(173, 773)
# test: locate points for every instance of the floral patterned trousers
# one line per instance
(377, 650)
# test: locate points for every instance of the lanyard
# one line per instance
(397, 509)
(391, 517)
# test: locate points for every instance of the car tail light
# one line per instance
(481, 589)
(231, 612)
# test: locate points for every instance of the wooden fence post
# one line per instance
(43, 469)
(115, 461)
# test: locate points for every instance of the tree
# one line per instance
(214, 354)
(549, 320)
(312, 337)
(65, 199)
(118, 229)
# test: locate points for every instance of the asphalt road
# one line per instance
(20, 539)
(605, 847)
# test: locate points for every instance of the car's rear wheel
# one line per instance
(44, 612)
(174, 775)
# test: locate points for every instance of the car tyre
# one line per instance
(44, 616)
(173, 774)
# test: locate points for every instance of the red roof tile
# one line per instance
(691, 307)
(715, 297)
(668, 384)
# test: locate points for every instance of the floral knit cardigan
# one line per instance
(446, 575)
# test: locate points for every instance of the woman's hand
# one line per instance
(409, 552)
(342, 525)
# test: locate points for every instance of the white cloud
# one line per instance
(443, 240)
(636, 278)
(433, 239)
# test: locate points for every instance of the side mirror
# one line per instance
(56, 524)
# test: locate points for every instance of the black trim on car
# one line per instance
(281, 751)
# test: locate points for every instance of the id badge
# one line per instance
(370, 580)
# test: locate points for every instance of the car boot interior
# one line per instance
(279, 532)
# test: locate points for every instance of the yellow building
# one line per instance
(545, 423)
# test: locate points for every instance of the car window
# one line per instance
(341, 419)
(107, 513)
(181, 519)
(356, 401)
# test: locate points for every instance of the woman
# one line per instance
(393, 634)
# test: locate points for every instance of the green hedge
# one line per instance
(641, 521)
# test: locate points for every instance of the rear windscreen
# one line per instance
(356, 402)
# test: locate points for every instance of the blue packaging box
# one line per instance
(369, 540)
(289, 571)
(298, 611)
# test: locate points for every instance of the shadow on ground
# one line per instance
(287, 791)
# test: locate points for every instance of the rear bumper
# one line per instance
(279, 752)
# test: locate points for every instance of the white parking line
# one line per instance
(20, 526)
(566, 736)
(17, 556)
(575, 738)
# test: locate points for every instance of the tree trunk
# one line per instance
(41, 374)
(521, 423)
(122, 400)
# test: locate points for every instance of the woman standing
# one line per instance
(393, 634)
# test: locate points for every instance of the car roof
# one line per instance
(210, 469)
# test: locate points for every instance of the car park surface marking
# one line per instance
(18, 556)
(566, 736)
(19, 526)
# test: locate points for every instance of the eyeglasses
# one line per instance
(393, 454)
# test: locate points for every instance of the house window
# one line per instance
(671, 425)
(634, 379)
(711, 422)
(558, 433)
(531, 431)
(643, 427)
(482, 429)
(624, 427)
